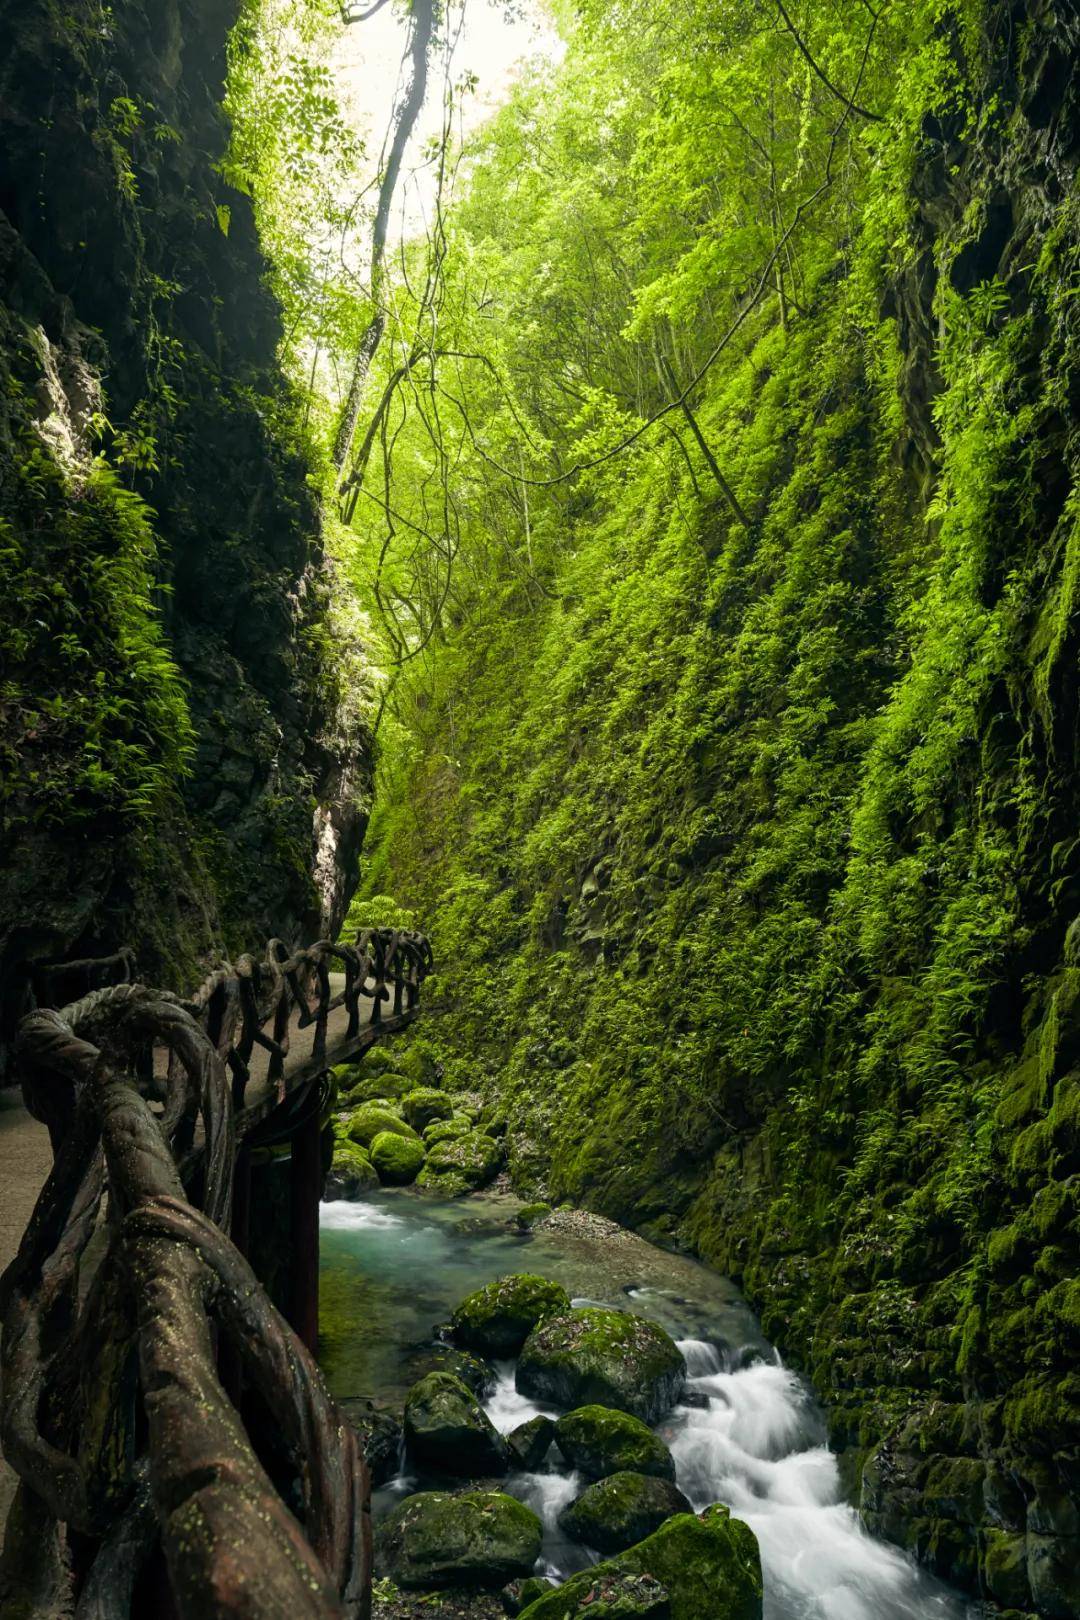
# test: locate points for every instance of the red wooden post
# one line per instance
(305, 1187)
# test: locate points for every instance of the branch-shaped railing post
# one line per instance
(163, 1458)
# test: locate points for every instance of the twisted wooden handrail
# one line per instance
(113, 1414)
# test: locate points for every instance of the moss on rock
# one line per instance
(477, 1538)
(603, 1357)
(709, 1565)
(351, 1172)
(371, 1118)
(498, 1318)
(598, 1440)
(398, 1159)
(447, 1130)
(620, 1510)
(530, 1443)
(467, 1161)
(383, 1087)
(447, 1430)
(424, 1105)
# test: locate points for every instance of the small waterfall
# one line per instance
(749, 1434)
(702, 1358)
(760, 1447)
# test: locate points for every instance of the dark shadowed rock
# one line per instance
(447, 1430)
(530, 1443)
(478, 1538)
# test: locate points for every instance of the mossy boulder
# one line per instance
(466, 1162)
(603, 1357)
(351, 1172)
(598, 1441)
(424, 1105)
(447, 1430)
(447, 1130)
(498, 1318)
(530, 1443)
(377, 1059)
(621, 1510)
(708, 1564)
(383, 1087)
(529, 1214)
(446, 1185)
(419, 1062)
(398, 1159)
(371, 1118)
(476, 1538)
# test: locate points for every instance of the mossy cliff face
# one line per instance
(754, 848)
(165, 590)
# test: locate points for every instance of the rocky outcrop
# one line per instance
(157, 517)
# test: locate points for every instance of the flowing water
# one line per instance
(394, 1267)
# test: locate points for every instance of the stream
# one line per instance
(394, 1266)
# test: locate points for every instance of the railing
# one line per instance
(113, 1412)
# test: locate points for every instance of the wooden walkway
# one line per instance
(255, 1043)
(26, 1155)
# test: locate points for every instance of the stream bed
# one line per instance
(394, 1266)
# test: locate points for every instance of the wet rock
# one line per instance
(613, 1596)
(473, 1372)
(351, 1172)
(529, 1214)
(447, 1430)
(604, 1357)
(371, 1118)
(498, 1318)
(381, 1087)
(447, 1130)
(697, 1398)
(530, 1443)
(708, 1564)
(621, 1510)
(1053, 1572)
(519, 1594)
(477, 1538)
(398, 1159)
(597, 1441)
(464, 1163)
(424, 1105)
(380, 1433)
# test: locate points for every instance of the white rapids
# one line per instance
(760, 1447)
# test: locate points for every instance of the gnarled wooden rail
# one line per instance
(114, 1413)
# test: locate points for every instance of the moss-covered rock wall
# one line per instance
(750, 854)
(180, 768)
